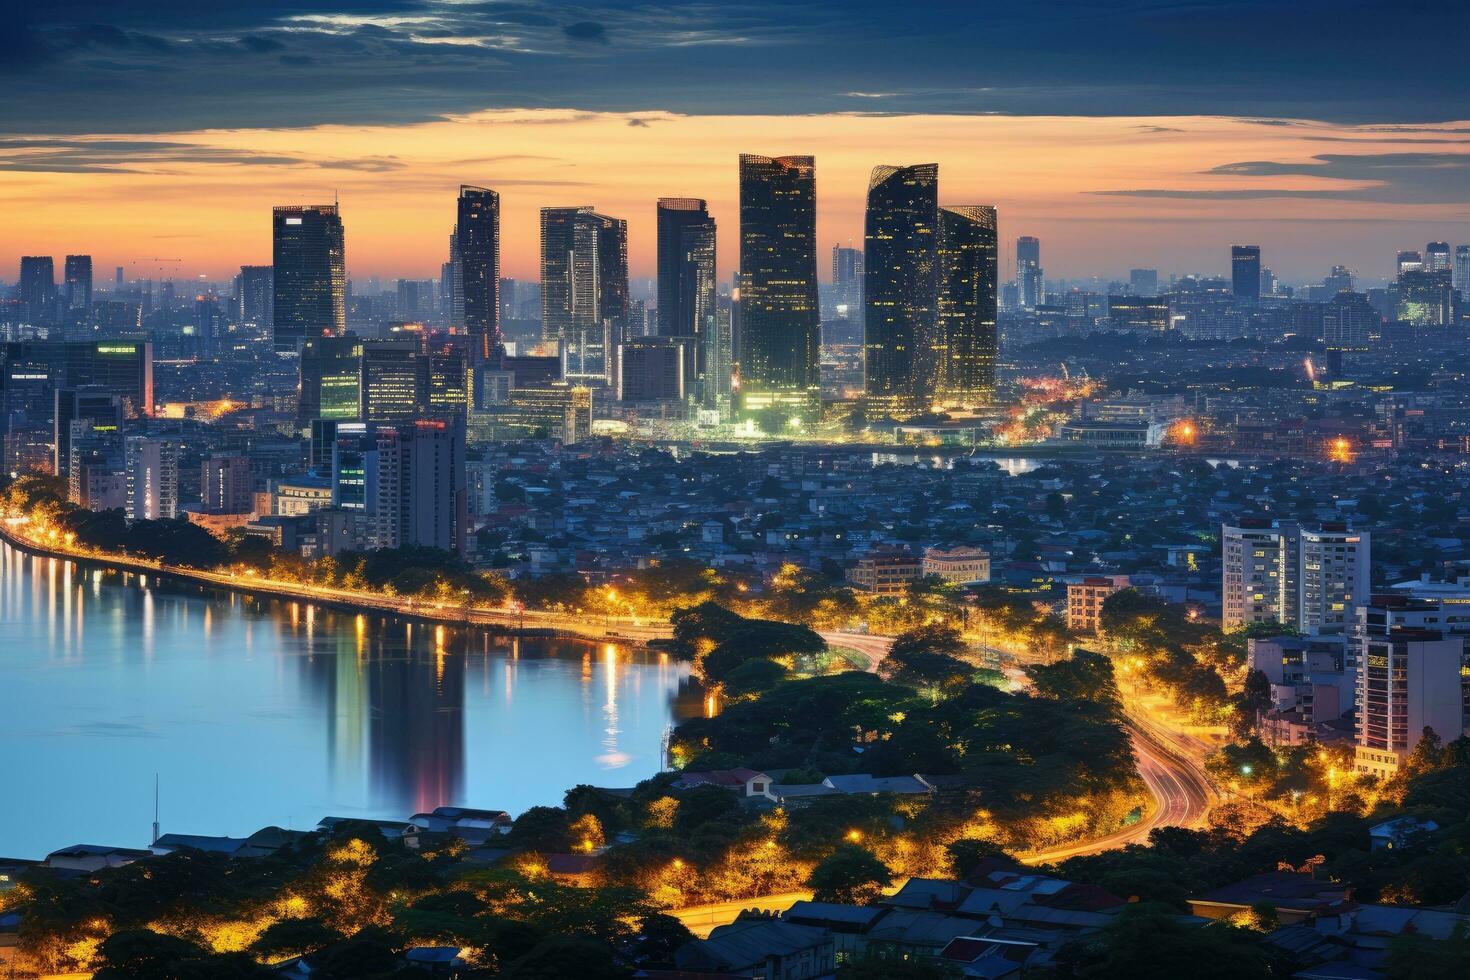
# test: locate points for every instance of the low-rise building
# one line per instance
(961, 565)
(885, 573)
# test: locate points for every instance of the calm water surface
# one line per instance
(256, 712)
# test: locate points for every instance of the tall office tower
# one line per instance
(1245, 272)
(254, 294)
(477, 268)
(1339, 280)
(1410, 676)
(393, 388)
(968, 283)
(847, 281)
(78, 273)
(81, 411)
(584, 288)
(1460, 275)
(1409, 261)
(310, 275)
(117, 279)
(900, 287)
(1030, 281)
(446, 375)
(780, 323)
(330, 379)
(38, 288)
(1425, 298)
(152, 467)
(1437, 257)
(209, 326)
(446, 286)
(226, 485)
(1306, 578)
(686, 286)
(1143, 282)
(1349, 324)
(124, 367)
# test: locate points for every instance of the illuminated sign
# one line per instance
(293, 221)
(117, 349)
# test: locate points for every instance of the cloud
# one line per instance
(90, 66)
(1386, 178)
(586, 31)
(638, 122)
(117, 156)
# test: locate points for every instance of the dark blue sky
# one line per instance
(94, 66)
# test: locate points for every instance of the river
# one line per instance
(254, 712)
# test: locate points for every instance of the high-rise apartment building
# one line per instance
(1411, 675)
(1306, 578)
(1349, 326)
(1409, 260)
(226, 484)
(1426, 298)
(78, 283)
(309, 288)
(408, 481)
(1245, 272)
(900, 287)
(477, 268)
(779, 321)
(82, 412)
(152, 467)
(968, 281)
(686, 289)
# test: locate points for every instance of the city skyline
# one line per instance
(1105, 194)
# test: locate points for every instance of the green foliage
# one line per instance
(145, 955)
(1084, 677)
(927, 658)
(1149, 942)
(851, 875)
(885, 964)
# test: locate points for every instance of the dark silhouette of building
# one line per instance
(1245, 272)
(686, 290)
(968, 284)
(779, 320)
(78, 273)
(900, 287)
(477, 268)
(584, 288)
(38, 288)
(310, 275)
(1030, 281)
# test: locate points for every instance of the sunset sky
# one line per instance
(1153, 134)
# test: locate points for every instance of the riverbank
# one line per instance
(623, 630)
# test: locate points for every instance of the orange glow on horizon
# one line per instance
(397, 186)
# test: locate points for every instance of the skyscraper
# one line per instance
(254, 294)
(968, 280)
(477, 268)
(900, 287)
(780, 323)
(1030, 284)
(1409, 261)
(330, 379)
(1245, 272)
(584, 288)
(1144, 282)
(1461, 272)
(153, 479)
(310, 275)
(847, 281)
(686, 286)
(1437, 257)
(78, 272)
(38, 287)
(1307, 578)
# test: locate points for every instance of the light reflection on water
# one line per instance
(255, 713)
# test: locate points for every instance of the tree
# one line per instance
(294, 937)
(1414, 957)
(557, 957)
(1085, 676)
(851, 875)
(1149, 942)
(541, 828)
(880, 964)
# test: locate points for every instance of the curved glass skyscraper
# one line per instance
(901, 250)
